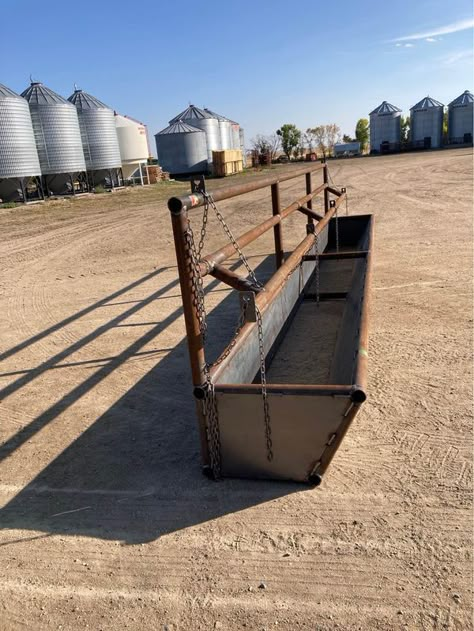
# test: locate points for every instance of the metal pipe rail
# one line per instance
(211, 264)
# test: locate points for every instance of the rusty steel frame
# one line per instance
(212, 264)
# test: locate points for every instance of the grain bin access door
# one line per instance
(281, 396)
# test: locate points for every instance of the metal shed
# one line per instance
(385, 127)
(182, 149)
(460, 119)
(426, 124)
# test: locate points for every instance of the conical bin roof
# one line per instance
(178, 128)
(385, 108)
(39, 94)
(426, 103)
(191, 112)
(463, 99)
(84, 101)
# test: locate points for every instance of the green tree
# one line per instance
(405, 128)
(445, 127)
(290, 138)
(347, 138)
(362, 133)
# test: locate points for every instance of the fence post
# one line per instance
(326, 181)
(279, 254)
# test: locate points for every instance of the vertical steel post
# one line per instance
(279, 254)
(326, 181)
(309, 189)
(197, 359)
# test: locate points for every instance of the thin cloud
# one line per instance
(404, 45)
(455, 27)
(431, 39)
(457, 57)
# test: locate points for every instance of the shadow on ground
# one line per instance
(135, 473)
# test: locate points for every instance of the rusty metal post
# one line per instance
(197, 359)
(326, 181)
(308, 190)
(279, 254)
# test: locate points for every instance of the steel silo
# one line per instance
(385, 127)
(225, 129)
(182, 149)
(99, 135)
(235, 134)
(242, 145)
(196, 117)
(426, 123)
(18, 153)
(56, 129)
(460, 119)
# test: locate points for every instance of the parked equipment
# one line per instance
(256, 418)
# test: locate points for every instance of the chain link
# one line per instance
(263, 378)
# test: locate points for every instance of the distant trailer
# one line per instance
(347, 149)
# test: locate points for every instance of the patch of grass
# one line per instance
(9, 205)
(99, 189)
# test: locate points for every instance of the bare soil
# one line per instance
(107, 522)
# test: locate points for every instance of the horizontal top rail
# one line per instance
(186, 202)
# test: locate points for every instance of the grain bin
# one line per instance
(182, 149)
(224, 129)
(426, 124)
(57, 134)
(385, 127)
(460, 119)
(18, 154)
(202, 120)
(98, 132)
(133, 143)
(235, 132)
(242, 145)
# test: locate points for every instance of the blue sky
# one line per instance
(262, 63)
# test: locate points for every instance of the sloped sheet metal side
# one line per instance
(301, 428)
(243, 361)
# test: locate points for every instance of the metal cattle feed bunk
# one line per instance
(256, 418)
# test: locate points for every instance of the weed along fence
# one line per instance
(281, 396)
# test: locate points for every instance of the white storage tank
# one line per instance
(182, 149)
(426, 124)
(133, 144)
(235, 134)
(385, 128)
(460, 119)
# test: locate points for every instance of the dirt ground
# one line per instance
(106, 521)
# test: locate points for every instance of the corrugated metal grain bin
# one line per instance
(385, 126)
(18, 153)
(56, 129)
(98, 132)
(224, 129)
(460, 119)
(196, 117)
(426, 124)
(182, 149)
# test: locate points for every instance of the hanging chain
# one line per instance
(263, 378)
(316, 267)
(209, 201)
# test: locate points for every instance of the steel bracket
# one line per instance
(248, 306)
(310, 228)
(332, 203)
(198, 184)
